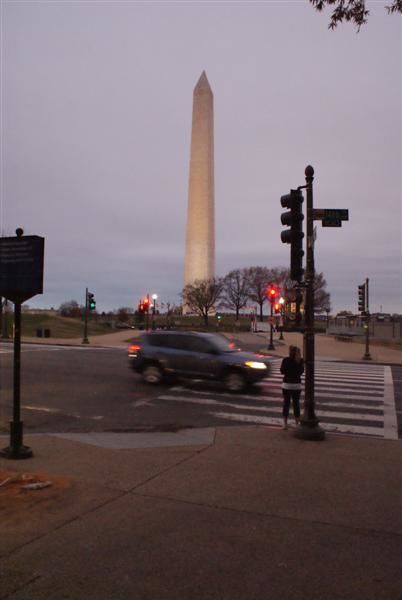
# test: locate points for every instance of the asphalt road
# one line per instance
(71, 389)
(81, 389)
(92, 389)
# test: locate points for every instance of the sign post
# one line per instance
(21, 277)
(309, 428)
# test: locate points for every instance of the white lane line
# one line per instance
(339, 374)
(377, 404)
(390, 419)
(356, 416)
(371, 431)
(377, 383)
(344, 396)
(276, 395)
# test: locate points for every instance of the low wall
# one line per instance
(383, 331)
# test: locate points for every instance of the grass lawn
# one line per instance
(60, 327)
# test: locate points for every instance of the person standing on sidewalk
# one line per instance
(292, 368)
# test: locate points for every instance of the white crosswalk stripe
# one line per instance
(349, 398)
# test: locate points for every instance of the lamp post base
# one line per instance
(309, 430)
(16, 449)
(16, 452)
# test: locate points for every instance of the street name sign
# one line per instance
(331, 217)
(21, 267)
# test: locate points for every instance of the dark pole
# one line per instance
(4, 323)
(16, 449)
(85, 339)
(282, 320)
(309, 428)
(367, 355)
(271, 341)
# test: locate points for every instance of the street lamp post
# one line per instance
(154, 298)
(309, 428)
(271, 341)
(281, 302)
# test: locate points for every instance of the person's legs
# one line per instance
(296, 405)
(286, 405)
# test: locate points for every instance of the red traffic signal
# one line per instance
(272, 292)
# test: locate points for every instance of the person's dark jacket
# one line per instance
(292, 370)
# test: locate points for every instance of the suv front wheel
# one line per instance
(152, 374)
(235, 381)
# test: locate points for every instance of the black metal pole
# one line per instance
(16, 449)
(309, 428)
(367, 355)
(271, 340)
(85, 339)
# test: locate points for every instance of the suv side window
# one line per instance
(196, 344)
(161, 341)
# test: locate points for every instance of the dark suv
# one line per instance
(197, 356)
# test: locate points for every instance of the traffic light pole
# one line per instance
(309, 428)
(271, 341)
(85, 339)
(367, 355)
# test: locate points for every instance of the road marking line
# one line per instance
(370, 431)
(276, 409)
(371, 404)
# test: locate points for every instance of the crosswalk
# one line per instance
(350, 398)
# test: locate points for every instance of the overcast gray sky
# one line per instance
(96, 102)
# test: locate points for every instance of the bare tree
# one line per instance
(202, 295)
(322, 298)
(70, 309)
(124, 313)
(258, 278)
(351, 10)
(236, 291)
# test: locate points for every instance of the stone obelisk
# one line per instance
(200, 239)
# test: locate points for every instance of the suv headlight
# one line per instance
(252, 364)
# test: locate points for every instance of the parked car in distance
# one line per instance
(195, 355)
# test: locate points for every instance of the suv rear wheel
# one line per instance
(152, 373)
(235, 381)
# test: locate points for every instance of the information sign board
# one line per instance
(21, 267)
(335, 214)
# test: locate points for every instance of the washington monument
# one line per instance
(200, 238)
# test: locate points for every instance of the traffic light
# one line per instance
(91, 302)
(362, 298)
(271, 294)
(277, 308)
(294, 236)
(140, 306)
(145, 303)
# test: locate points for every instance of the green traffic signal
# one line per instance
(91, 302)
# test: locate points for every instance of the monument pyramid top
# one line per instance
(203, 84)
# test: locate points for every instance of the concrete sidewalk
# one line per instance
(227, 513)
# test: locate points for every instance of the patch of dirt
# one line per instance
(21, 488)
